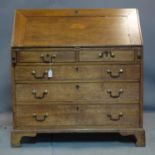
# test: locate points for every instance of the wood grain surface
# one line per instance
(96, 60)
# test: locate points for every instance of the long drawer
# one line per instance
(51, 116)
(78, 72)
(91, 92)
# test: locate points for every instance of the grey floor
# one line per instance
(44, 144)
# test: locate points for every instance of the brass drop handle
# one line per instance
(100, 54)
(40, 118)
(115, 117)
(115, 96)
(112, 55)
(106, 54)
(34, 92)
(115, 75)
(48, 58)
(34, 73)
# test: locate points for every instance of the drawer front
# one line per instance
(89, 72)
(91, 92)
(51, 116)
(45, 57)
(46, 92)
(111, 56)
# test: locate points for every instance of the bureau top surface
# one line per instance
(76, 27)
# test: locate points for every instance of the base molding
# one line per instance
(139, 134)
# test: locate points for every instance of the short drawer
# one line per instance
(83, 72)
(90, 92)
(45, 56)
(110, 55)
(51, 116)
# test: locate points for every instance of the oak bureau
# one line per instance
(77, 71)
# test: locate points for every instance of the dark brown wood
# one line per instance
(96, 58)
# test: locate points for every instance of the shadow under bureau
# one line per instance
(77, 71)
